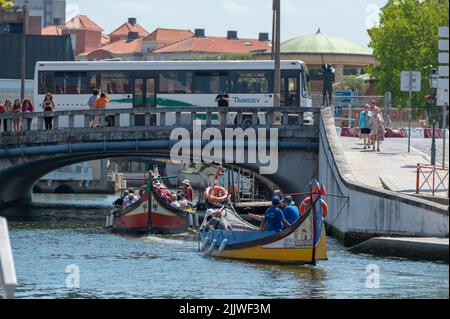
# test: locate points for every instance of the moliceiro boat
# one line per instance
(152, 213)
(304, 242)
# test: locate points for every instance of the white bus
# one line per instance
(171, 84)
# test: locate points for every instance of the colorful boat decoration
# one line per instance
(151, 214)
(216, 196)
(302, 243)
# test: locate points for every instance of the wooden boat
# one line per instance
(302, 243)
(151, 214)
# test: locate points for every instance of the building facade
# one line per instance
(50, 12)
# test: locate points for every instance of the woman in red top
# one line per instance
(28, 107)
(188, 191)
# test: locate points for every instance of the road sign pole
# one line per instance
(444, 126)
(410, 111)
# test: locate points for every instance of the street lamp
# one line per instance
(434, 80)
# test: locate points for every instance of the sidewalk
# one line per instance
(393, 168)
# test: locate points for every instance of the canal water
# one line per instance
(51, 246)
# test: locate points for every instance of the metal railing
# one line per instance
(159, 118)
(8, 279)
(435, 179)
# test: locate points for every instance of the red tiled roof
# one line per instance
(125, 28)
(169, 36)
(82, 22)
(105, 40)
(52, 30)
(216, 45)
(121, 47)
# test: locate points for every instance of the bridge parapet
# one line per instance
(155, 123)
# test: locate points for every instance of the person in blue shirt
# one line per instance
(364, 123)
(290, 211)
(274, 219)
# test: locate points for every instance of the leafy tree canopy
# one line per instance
(6, 4)
(407, 39)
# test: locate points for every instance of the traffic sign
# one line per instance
(442, 97)
(443, 45)
(443, 32)
(443, 71)
(411, 81)
(443, 57)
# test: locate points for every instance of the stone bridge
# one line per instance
(31, 153)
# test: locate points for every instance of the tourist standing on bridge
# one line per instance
(92, 104)
(2, 110)
(364, 123)
(17, 108)
(48, 106)
(7, 109)
(222, 100)
(28, 107)
(101, 104)
(377, 128)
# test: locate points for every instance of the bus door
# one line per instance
(290, 94)
(144, 95)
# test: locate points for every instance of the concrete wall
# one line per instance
(370, 212)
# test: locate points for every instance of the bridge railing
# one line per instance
(157, 118)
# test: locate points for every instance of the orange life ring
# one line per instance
(307, 201)
(216, 194)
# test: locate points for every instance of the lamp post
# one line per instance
(276, 52)
(433, 78)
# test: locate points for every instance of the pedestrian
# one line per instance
(377, 128)
(222, 100)
(92, 104)
(7, 109)
(364, 123)
(28, 107)
(2, 110)
(16, 109)
(101, 104)
(290, 210)
(48, 106)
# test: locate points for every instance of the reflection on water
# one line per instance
(114, 266)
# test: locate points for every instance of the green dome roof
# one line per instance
(323, 44)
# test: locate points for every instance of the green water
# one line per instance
(49, 243)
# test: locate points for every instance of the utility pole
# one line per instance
(23, 71)
(277, 74)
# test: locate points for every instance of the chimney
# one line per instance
(232, 35)
(199, 33)
(132, 36)
(132, 21)
(264, 37)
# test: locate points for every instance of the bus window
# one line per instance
(246, 82)
(46, 81)
(210, 82)
(70, 83)
(289, 89)
(115, 83)
(175, 82)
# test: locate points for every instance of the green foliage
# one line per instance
(407, 39)
(352, 83)
(6, 4)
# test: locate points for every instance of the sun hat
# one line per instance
(186, 182)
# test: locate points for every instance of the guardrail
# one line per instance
(168, 117)
(434, 177)
(8, 279)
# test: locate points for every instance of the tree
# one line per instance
(407, 39)
(6, 4)
(352, 83)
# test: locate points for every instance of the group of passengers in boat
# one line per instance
(127, 199)
(182, 200)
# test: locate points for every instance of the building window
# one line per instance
(175, 82)
(351, 71)
(251, 82)
(210, 82)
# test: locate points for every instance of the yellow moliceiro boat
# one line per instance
(302, 243)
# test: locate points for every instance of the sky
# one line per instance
(347, 19)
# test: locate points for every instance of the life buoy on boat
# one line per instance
(307, 201)
(216, 194)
